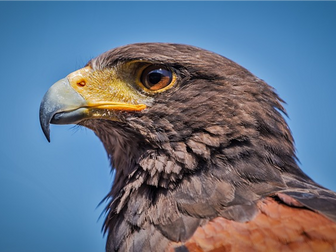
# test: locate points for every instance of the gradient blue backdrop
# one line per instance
(49, 192)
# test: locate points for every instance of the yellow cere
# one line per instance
(111, 88)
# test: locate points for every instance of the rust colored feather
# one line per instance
(277, 227)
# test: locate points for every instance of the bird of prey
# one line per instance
(203, 158)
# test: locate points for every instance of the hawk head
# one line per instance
(191, 134)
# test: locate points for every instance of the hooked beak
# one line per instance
(87, 94)
(61, 105)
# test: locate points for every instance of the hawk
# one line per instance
(203, 158)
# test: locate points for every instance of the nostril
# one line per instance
(81, 83)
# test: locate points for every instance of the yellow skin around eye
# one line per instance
(106, 89)
(115, 88)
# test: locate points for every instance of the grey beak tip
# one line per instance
(45, 124)
(47, 135)
(46, 132)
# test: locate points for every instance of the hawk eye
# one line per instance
(156, 77)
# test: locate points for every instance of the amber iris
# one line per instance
(156, 77)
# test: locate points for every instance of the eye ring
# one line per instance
(156, 77)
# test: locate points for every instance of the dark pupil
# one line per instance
(155, 76)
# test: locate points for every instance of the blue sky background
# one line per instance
(49, 192)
